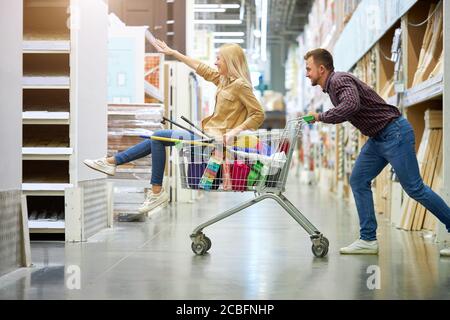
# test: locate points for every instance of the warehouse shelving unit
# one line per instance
(46, 87)
(62, 42)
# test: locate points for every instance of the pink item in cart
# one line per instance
(239, 175)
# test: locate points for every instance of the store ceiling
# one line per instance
(286, 18)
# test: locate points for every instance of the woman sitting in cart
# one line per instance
(237, 109)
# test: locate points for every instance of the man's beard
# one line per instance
(314, 83)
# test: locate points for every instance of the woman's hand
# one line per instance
(162, 47)
(228, 138)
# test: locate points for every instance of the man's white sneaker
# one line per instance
(445, 252)
(101, 165)
(361, 247)
(153, 200)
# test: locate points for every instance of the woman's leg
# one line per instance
(138, 151)
(158, 147)
(159, 154)
(108, 165)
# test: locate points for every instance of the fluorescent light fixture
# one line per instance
(225, 40)
(217, 6)
(217, 22)
(264, 30)
(209, 10)
(228, 34)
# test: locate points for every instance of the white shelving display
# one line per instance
(46, 46)
(45, 117)
(46, 54)
(46, 153)
(59, 56)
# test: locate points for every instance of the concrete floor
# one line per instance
(261, 253)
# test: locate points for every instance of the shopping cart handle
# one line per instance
(309, 118)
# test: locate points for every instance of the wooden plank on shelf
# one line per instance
(439, 68)
(424, 91)
(413, 38)
(432, 45)
(430, 222)
(423, 168)
(435, 169)
(436, 46)
(434, 119)
(409, 204)
(428, 176)
(425, 44)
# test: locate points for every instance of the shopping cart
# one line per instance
(258, 163)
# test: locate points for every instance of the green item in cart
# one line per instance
(254, 174)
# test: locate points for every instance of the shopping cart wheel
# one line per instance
(200, 247)
(321, 249)
(208, 242)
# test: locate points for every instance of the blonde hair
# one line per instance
(236, 63)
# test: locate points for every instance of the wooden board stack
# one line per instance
(431, 54)
(414, 216)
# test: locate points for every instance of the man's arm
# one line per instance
(347, 93)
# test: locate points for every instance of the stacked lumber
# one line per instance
(382, 199)
(431, 53)
(414, 216)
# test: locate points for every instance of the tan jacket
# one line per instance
(236, 105)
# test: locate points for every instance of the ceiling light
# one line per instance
(217, 22)
(225, 40)
(228, 34)
(217, 6)
(210, 10)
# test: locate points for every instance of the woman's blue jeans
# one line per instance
(157, 149)
(395, 144)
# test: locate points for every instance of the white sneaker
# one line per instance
(101, 165)
(445, 252)
(153, 200)
(361, 247)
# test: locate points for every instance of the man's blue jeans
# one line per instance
(157, 149)
(395, 144)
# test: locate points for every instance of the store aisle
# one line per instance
(259, 254)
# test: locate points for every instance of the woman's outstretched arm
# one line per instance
(162, 47)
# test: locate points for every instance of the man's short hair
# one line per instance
(321, 57)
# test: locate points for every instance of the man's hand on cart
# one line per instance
(312, 117)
